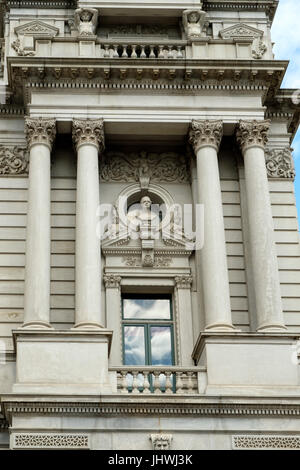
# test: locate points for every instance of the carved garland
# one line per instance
(13, 161)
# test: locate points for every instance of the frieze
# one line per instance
(265, 442)
(144, 167)
(50, 440)
(13, 161)
(136, 262)
(280, 163)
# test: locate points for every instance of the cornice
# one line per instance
(40, 3)
(269, 6)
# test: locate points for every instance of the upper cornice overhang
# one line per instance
(55, 72)
(286, 102)
(269, 6)
(39, 3)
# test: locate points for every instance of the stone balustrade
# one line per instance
(128, 50)
(158, 380)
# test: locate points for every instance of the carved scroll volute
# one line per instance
(252, 134)
(90, 132)
(205, 134)
(40, 131)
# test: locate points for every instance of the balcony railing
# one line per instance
(158, 380)
(125, 50)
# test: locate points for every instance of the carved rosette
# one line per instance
(87, 131)
(279, 163)
(205, 134)
(40, 131)
(183, 282)
(252, 134)
(112, 281)
(13, 161)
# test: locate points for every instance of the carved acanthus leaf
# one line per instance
(88, 131)
(143, 167)
(205, 133)
(280, 163)
(112, 281)
(183, 282)
(40, 131)
(13, 161)
(252, 134)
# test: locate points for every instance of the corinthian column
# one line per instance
(252, 138)
(40, 135)
(205, 137)
(88, 137)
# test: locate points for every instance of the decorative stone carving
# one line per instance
(159, 262)
(87, 131)
(193, 21)
(266, 442)
(252, 134)
(259, 51)
(13, 161)
(16, 45)
(144, 167)
(241, 31)
(112, 281)
(161, 441)
(183, 282)
(280, 163)
(86, 21)
(205, 133)
(37, 28)
(40, 131)
(56, 441)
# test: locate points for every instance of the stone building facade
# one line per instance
(146, 342)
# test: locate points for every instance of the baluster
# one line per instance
(115, 50)
(146, 390)
(168, 382)
(156, 382)
(161, 52)
(152, 54)
(190, 383)
(143, 53)
(124, 386)
(135, 389)
(134, 54)
(170, 53)
(106, 50)
(179, 383)
(179, 52)
(124, 54)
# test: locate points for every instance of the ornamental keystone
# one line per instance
(87, 131)
(205, 134)
(40, 131)
(252, 134)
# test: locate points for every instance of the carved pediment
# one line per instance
(36, 28)
(241, 31)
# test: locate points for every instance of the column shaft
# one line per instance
(88, 314)
(40, 135)
(252, 137)
(205, 137)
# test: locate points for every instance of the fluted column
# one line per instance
(88, 137)
(205, 137)
(40, 135)
(252, 138)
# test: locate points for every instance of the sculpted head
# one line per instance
(146, 202)
(86, 16)
(193, 17)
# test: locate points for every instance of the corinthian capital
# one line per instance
(205, 134)
(87, 131)
(40, 131)
(252, 134)
(112, 281)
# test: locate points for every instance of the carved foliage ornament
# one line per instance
(205, 133)
(266, 442)
(279, 163)
(159, 262)
(13, 161)
(40, 131)
(88, 132)
(144, 167)
(35, 440)
(112, 281)
(183, 282)
(252, 134)
(16, 45)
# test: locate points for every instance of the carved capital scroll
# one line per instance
(205, 134)
(40, 131)
(87, 131)
(252, 134)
